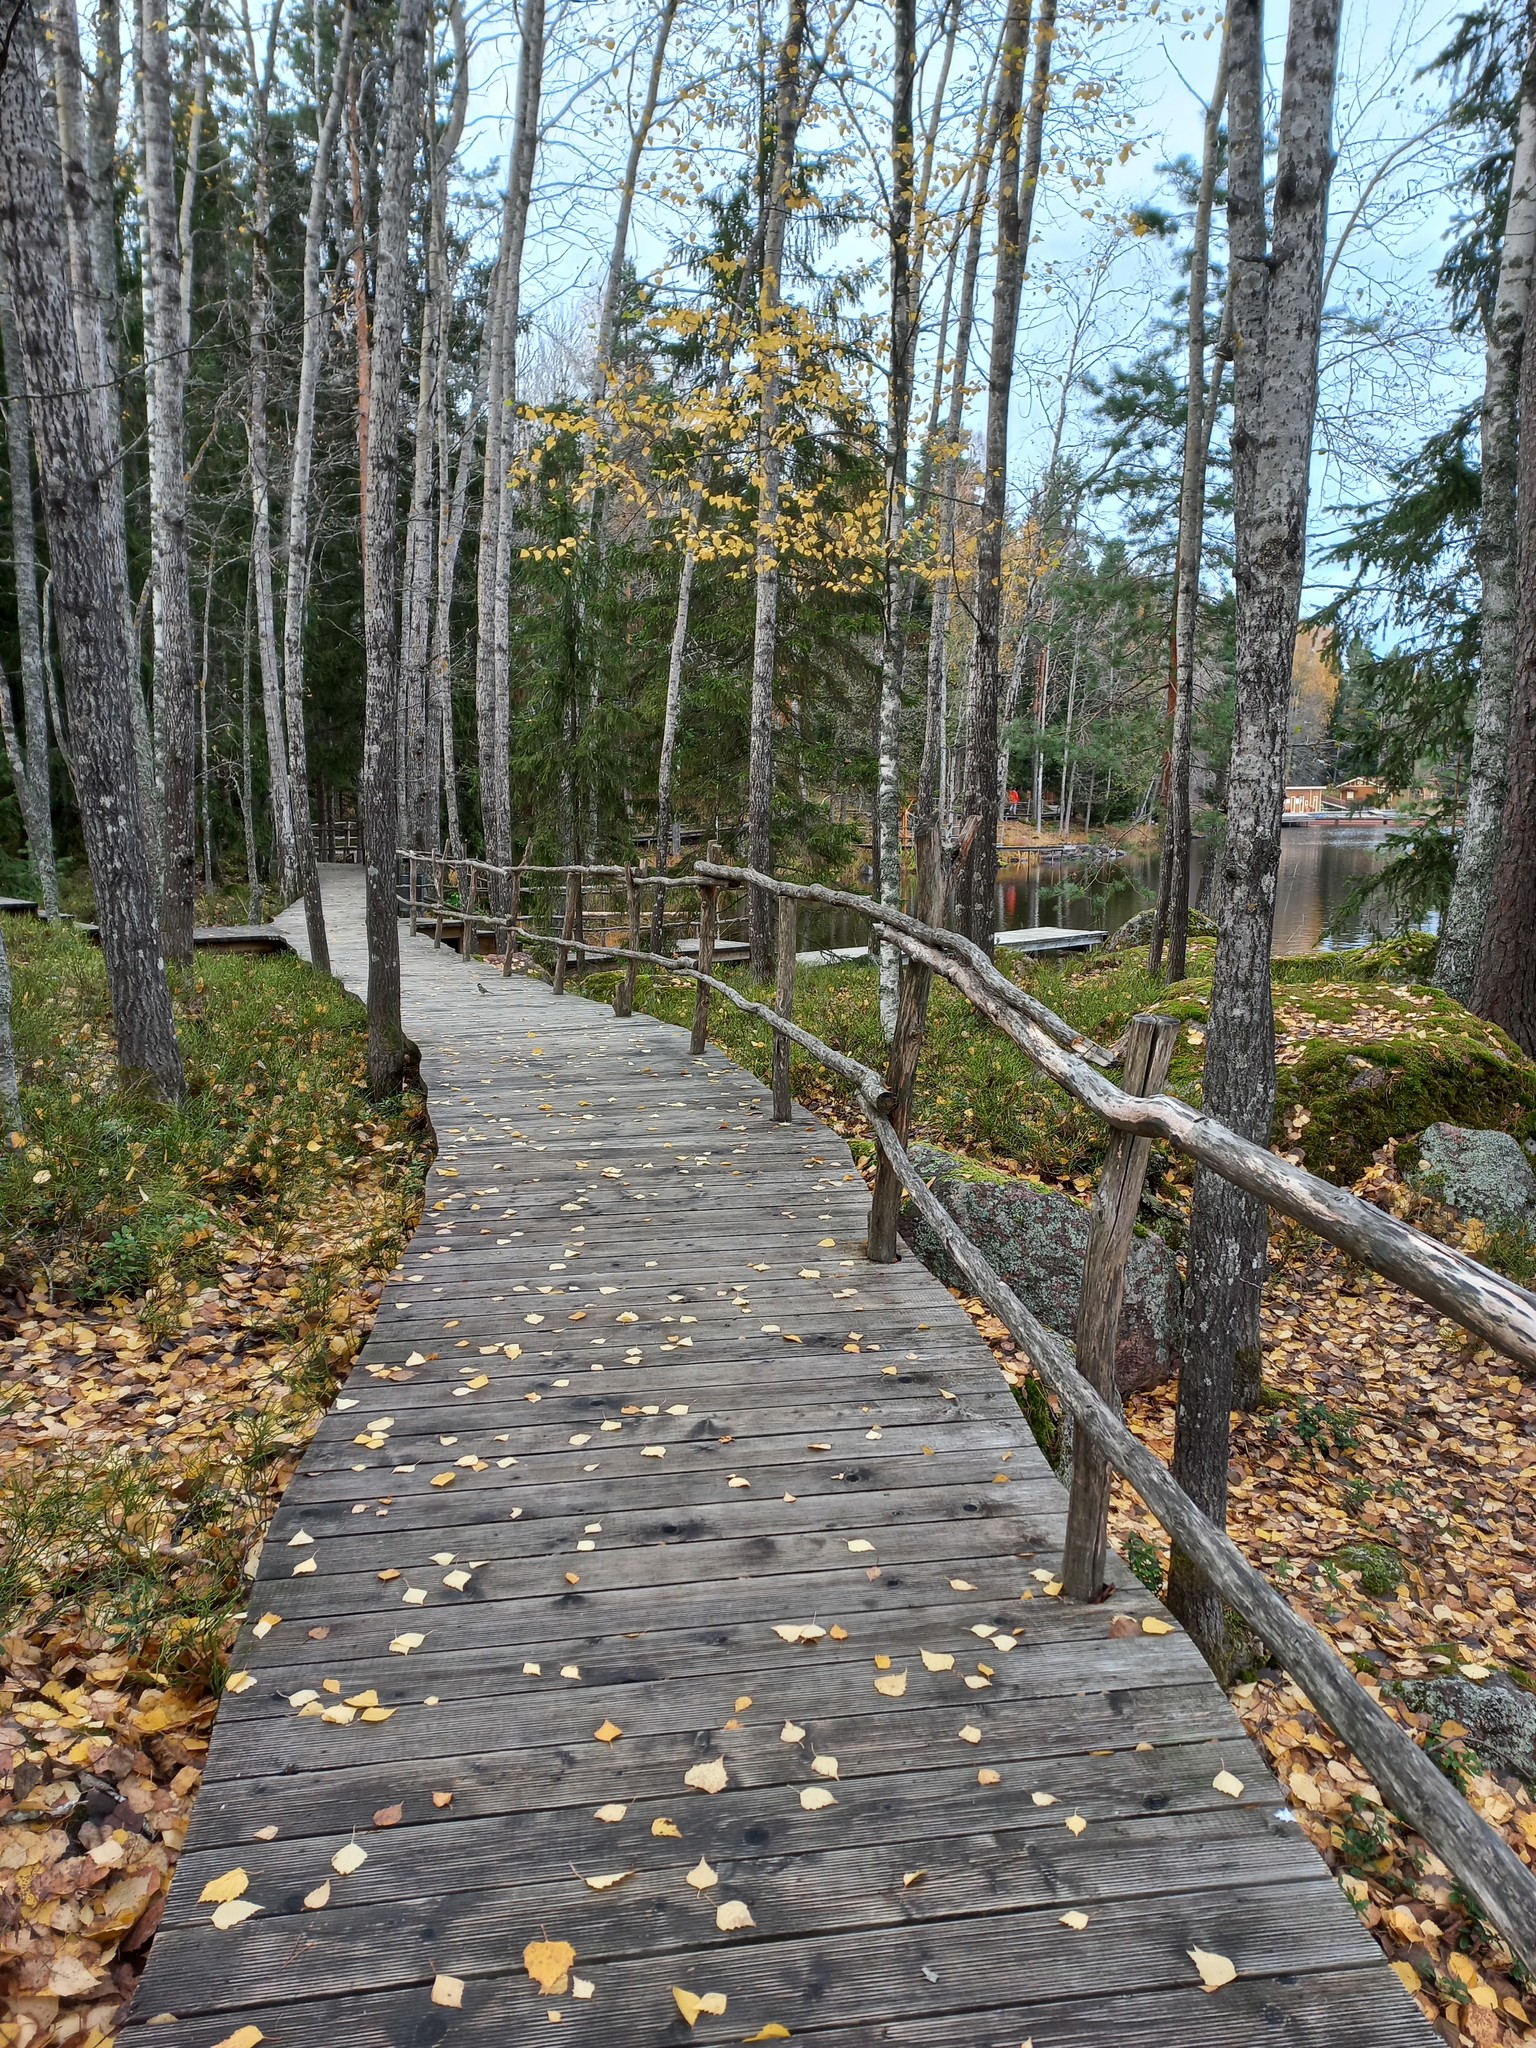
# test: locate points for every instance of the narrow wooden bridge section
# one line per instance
(636, 1414)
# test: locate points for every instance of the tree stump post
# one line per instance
(906, 1048)
(514, 914)
(1149, 1048)
(624, 994)
(784, 1003)
(567, 925)
(709, 906)
(468, 890)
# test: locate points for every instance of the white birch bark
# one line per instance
(175, 664)
(27, 745)
(88, 569)
(377, 818)
(1498, 428)
(301, 466)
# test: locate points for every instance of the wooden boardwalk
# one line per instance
(634, 1409)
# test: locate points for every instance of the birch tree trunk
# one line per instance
(1277, 316)
(415, 781)
(175, 660)
(525, 146)
(28, 745)
(1018, 174)
(379, 825)
(497, 507)
(258, 466)
(1171, 917)
(765, 625)
(898, 410)
(296, 537)
(1504, 989)
(89, 570)
(1497, 548)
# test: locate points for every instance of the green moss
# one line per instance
(1379, 1566)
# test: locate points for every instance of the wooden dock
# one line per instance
(702, 1575)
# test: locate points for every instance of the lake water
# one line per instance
(1319, 865)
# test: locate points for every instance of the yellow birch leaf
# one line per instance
(892, 1683)
(701, 1877)
(912, 1877)
(1074, 1919)
(1225, 1782)
(606, 1882)
(320, 1896)
(233, 1911)
(611, 1812)
(1214, 1970)
(447, 1990)
(669, 1828)
(1151, 1626)
(549, 1963)
(348, 1859)
(772, 2032)
(733, 1915)
(937, 1660)
(1075, 1824)
(242, 2037)
(824, 1766)
(691, 2004)
(708, 1777)
(609, 1732)
(814, 1797)
(230, 1886)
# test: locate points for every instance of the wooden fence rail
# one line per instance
(1504, 1315)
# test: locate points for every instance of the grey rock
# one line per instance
(1499, 1718)
(1479, 1173)
(1036, 1239)
(1137, 930)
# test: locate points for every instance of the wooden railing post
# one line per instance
(468, 888)
(708, 912)
(784, 1003)
(410, 869)
(1149, 1048)
(439, 891)
(567, 925)
(514, 918)
(624, 994)
(906, 1049)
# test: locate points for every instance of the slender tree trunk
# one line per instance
(175, 662)
(10, 1094)
(933, 785)
(30, 763)
(258, 467)
(1018, 174)
(89, 572)
(608, 307)
(896, 587)
(520, 190)
(771, 342)
(1277, 315)
(418, 784)
(296, 538)
(379, 825)
(1505, 986)
(253, 889)
(1171, 918)
(441, 766)
(1497, 546)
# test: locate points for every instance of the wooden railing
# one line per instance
(1136, 1113)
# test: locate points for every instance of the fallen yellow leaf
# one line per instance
(549, 1963)
(447, 1990)
(1225, 1782)
(937, 1660)
(233, 1911)
(1151, 1626)
(242, 2037)
(669, 1828)
(610, 1813)
(218, 1889)
(708, 1777)
(892, 1683)
(1074, 1919)
(690, 2005)
(1214, 1970)
(772, 2032)
(348, 1859)
(912, 1877)
(701, 1877)
(320, 1896)
(606, 1882)
(609, 1732)
(733, 1915)
(1075, 1823)
(814, 1797)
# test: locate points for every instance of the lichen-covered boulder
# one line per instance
(1479, 1173)
(1036, 1238)
(1499, 1718)
(1137, 930)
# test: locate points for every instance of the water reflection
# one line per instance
(1319, 865)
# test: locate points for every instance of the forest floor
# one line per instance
(181, 1291)
(1385, 1483)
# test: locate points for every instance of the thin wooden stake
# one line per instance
(438, 890)
(784, 1003)
(624, 994)
(1149, 1046)
(514, 912)
(567, 926)
(707, 908)
(906, 1047)
(468, 885)
(410, 863)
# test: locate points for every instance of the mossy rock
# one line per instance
(1363, 1061)
(1379, 1565)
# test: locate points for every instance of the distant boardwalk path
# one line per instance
(722, 1426)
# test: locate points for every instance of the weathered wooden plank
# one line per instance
(670, 1623)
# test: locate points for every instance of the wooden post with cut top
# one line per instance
(906, 1047)
(624, 994)
(708, 910)
(567, 925)
(438, 892)
(784, 1003)
(410, 868)
(1149, 1045)
(469, 886)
